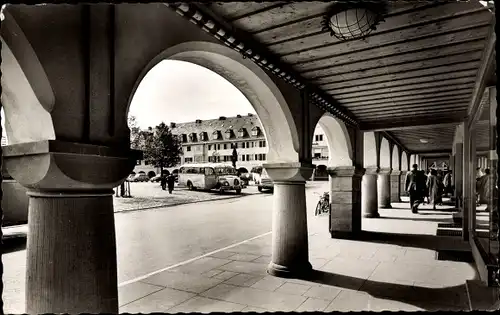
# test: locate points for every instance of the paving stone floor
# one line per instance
(393, 272)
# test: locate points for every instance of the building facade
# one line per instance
(212, 141)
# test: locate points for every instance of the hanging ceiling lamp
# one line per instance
(354, 19)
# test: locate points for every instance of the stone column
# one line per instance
(402, 188)
(369, 198)
(290, 249)
(345, 201)
(395, 183)
(71, 248)
(384, 188)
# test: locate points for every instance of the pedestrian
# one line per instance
(433, 187)
(163, 181)
(171, 182)
(412, 187)
(484, 188)
(447, 183)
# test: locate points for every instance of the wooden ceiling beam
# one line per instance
(388, 101)
(410, 36)
(406, 87)
(395, 109)
(487, 61)
(414, 94)
(395, 140)
(432, 101)
(408, 111)
(405, 124)
(237, 10)
(366, 85)
(394, 64)
(410, 114)
(298, 29)
(417, 74)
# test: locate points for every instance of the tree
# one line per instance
(162, 148)
(137, 136)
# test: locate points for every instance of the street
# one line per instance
(153, 239)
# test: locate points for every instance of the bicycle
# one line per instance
(323, 205)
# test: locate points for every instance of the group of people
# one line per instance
(168, 180)
(428, 187)
(483, 186)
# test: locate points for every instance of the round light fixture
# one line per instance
(354, 19)
(424, 140)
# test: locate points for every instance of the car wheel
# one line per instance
(259, 188)
(190, 186)
(238, 191)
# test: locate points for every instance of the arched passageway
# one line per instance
(384, 175)
(369, 197)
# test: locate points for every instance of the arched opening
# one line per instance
(151, 174)
(275, 118)
(385, 154)
(369, 150)
(396, 165)
(331, 144)
(242, 170)
(404, 162)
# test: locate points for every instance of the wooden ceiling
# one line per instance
(418, 67)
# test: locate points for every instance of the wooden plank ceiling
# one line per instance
(419, 65)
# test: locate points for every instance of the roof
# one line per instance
(206, 165)
(211, 125)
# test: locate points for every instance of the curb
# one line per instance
(183, 203)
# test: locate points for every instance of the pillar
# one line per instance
(402, 188)
(395, 183)
(384, 188)
(345, 201)
(369, 198)
(467, 176)
(290, 253)
(71, 248)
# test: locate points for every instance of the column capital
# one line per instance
(53, 165)
(345, 171)
(371, 170)
(396, 172)
(289, 172)
(385, 171)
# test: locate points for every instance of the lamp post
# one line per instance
(234, 156)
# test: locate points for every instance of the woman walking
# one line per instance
(433, 188)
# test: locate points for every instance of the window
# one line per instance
(243, 157)
(192, 137)
(319, 137)
(264, 156)
(210, 147)
(184, 138)
(253, 143)
(248, 145)
(209, 171)
(188, 160)
(317, 155)
(146, 163)
(256, 157)
(248, 157)
(218, 146)
(188, 148)
(225, 146)
(255, 131)
(138, 162)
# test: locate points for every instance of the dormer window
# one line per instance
(192, 137)
(229, 134)
(184, 138)
(255, 131)
(242, 132)
(216, 135)
(203, 136)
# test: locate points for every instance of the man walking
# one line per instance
(414, 188)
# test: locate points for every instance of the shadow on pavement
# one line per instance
(13, 244)
(430, 299)
(431, 242)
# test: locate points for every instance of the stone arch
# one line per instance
(404, 162)
(396, 165)
(369, 150)
(385, 153)
(266, 98)
(340, 152)
(27, 95)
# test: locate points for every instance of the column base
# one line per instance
(346, 235)
(385, 207)
(371, 215)
(297, 271)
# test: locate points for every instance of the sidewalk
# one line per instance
(384, 273)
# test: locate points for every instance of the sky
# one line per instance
(178, 91)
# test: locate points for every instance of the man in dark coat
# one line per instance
(413, 186)
(163, 181)
(170, 182)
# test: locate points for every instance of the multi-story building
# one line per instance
(212, 141)
(319, 147)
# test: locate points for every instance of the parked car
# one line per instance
(141, 177)
(155, 179)
(265, 182)
(245, 178)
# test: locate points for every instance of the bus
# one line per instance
(208, 176)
